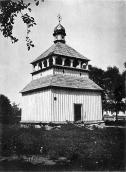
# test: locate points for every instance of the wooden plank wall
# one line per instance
(44, 73)
(60, 71)
(71, 72)
(63, 106)
(58, 106)
(36, 106)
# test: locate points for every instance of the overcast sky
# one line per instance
(95, 28)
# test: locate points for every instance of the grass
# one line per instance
(97, 149)
(116, 123)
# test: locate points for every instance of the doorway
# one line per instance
(77, 112)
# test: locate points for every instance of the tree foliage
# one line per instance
(9, 10)
(113, 84)
(5, 109)
(9, 114)
(16, 112)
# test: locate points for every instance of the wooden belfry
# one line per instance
(60, 89)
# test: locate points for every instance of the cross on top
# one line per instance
(59, 18)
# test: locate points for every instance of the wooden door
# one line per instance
(77, 112)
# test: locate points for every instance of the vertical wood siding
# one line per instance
(63, 106)
(37, 106)
(42, 106)
(44, 73)
(60, 71)
(71, 72)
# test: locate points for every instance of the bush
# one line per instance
(101, 147)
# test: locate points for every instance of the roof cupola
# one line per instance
(59, 32)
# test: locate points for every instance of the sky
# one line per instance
(95, 28)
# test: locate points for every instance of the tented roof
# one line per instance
(62, 81)
(62, 49)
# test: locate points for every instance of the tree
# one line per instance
(16, 113)
(124, 83)
(125, 64)
(9, 10)
(115, 89)
(113, 86)
(5, 109)
(9, 114)
(97, 75)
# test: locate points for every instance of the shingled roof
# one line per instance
(62, 81)
(60, 49)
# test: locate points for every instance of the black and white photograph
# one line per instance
(62, 85)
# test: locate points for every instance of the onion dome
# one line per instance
(59, 32)
(59, 29)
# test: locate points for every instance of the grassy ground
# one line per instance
(97, 149)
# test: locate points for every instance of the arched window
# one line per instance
(84, 66)
(40, 65)
(75, 63)
(36, 66)
(67, 62)
(59, 61)
(50, 62)
(45, 63)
